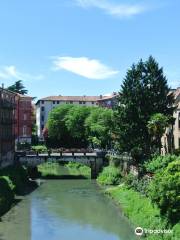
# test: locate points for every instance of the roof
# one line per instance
(76, 98)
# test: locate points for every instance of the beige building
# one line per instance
(171, 138)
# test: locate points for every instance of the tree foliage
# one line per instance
(99, 127)
(18, 87)
(80, 126)
(144, 92)
(164, 190)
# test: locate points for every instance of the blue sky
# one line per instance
(84, 47)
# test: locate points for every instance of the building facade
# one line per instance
(23, 116)
(171, 138)
(45, 105)
(108, 101)
(7, 127)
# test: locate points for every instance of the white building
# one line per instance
(45, 105)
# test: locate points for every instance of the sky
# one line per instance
(85, 47)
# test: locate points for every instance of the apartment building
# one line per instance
(171, 138)
(7, 127)
(45, 105)
(23, 116)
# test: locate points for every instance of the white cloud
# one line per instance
(11, 72)
(83, 66)
(112, 8)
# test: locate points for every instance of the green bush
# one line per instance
(159, 162)
(39, 148)
(18, 175)
(164, 190)
(78, 169)
(109, 176)
(140, 185)
(6, 194)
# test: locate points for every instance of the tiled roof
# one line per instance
(76, 98)
(71, 98)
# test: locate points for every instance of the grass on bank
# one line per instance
(141, 212)
(78, 169)
(109, 176)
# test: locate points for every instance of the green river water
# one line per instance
(66, 210)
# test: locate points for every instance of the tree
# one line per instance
(156, 126)
(164, 190)
(58, 134)
(75, 123)
(144, 92)
(99, 127)
(18, 87)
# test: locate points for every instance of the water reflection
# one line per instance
(67, 210)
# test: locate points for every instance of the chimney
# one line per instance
(2, 85)
(100, 96)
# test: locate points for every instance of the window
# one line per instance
(84, 102)
(80, 102)
(92, 102)
(54, 102)
(42, 109)
(42, 101)
(42, 118)
(24, 130)
(71, 102)
(42, 127)
(25, 117)
(57, 102)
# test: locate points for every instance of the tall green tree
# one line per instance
(18, 87)
(143, 93)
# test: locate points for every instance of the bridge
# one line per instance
(94, 160)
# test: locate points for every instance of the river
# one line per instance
(66, 210)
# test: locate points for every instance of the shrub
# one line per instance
(140, 185)
(109, 176)
(159, 162)
(78, 169)
(18, 175)
(6, 194)
(39, 148)
(164, 190)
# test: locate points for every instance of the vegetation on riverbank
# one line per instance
(78, 169)
(141, 212)
(149, 202)
(55, 170)
(109, 176)
(13, 181)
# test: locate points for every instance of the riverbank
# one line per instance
(14, 182)
(142, 213)
(69, 170)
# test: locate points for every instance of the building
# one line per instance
(23, 116)
(108, 101)
(7, 127)
(171, 138)
(45, 105)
